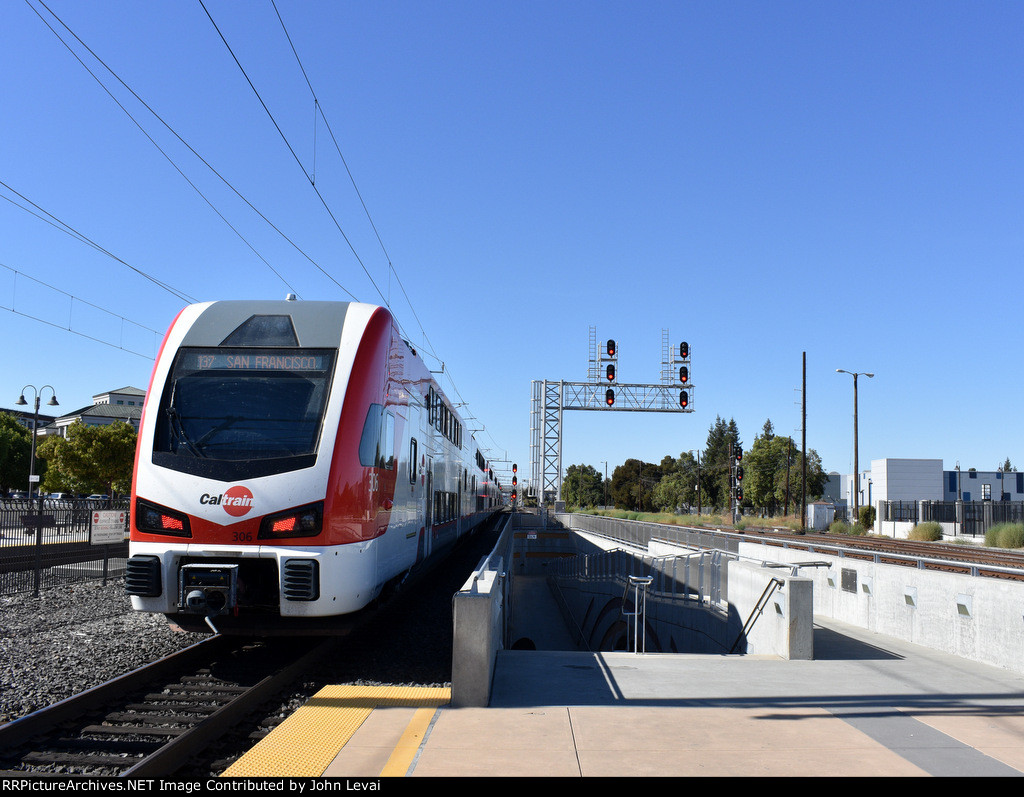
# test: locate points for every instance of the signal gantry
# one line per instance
(601, 392)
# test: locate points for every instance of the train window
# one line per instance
(377, 443)
(369, 442)
(226, 407)
(413, 461)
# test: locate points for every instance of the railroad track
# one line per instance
(996, 563)
(151, 722)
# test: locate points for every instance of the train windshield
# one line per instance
(226, 413)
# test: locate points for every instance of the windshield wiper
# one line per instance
(179, 432)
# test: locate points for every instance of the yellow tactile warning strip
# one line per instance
(305, 743)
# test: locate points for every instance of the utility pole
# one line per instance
(803, 448)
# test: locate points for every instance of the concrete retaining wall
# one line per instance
(478, 620)
(974, 618)
(783, 605)
(477, 614)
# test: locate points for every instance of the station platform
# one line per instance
(866, 706)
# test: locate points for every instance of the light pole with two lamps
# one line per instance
(32, 479)
(35, 424)
(856, 462)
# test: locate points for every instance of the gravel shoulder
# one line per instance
(72, 638)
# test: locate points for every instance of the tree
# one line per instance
(91, 459)
(769, 473)
(633, 485)
(773, 470)
(583, 486)
(716, 465)
(678, 485)
(1007, 467)
(15, 453)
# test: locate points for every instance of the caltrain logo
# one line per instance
(237, 501)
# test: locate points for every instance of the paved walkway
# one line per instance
(866, 706)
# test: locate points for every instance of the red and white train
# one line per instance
(294, 459)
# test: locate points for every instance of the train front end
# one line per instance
(248, 509)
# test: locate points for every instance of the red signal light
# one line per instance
(684, 350)
(684, 399)
(684, 374)
(611, 348)
(610, 373)
(609, 397)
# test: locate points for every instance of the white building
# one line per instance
(924, 480)
(106, 408)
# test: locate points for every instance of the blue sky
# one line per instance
(761, 179)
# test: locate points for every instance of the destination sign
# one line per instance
(235, 361)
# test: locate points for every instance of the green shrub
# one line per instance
(839, 527)
(866, 516)
(1005, 535)
(929, 531)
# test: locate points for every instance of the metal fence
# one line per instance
(972, 518)
(49, 544)
(702, 576)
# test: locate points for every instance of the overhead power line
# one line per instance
(319, 111)
(85, 239)
(70, 328)
(188, 146)
(295, 156)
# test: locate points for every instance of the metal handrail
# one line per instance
(639, 585)
(837, 550)
(772, 585)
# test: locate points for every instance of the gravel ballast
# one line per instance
(72, 638)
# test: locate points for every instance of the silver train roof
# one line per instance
(270, 323)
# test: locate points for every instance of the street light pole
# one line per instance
(35, 424)
(32, 478)
(856, 462)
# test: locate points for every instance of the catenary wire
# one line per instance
(337, 146)
(191, 149)
(296, 157)
(351, 177)
(82, 237)
(69, 328)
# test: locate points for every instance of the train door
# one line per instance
(428, 513)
